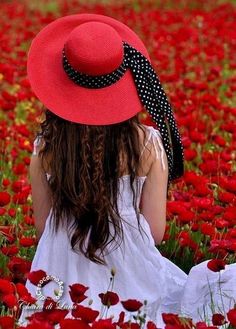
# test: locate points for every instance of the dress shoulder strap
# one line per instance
(36, 144)
(156, 139)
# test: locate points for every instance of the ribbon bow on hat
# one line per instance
(151, 94)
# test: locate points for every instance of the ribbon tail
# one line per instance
(163, 107)
(156, 103)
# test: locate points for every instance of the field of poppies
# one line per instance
(192, 45)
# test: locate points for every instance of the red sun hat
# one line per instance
(93, 46)
(92, 69)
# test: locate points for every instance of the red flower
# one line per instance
(109, 298)
(21, 197)
(27, 241)
(207, 229)
(35, 276)
(12, 212)
(2, 211)
(10, 300)
(121, 318)
(84, 313)
(7, 322)
(78, 289)
(56, 315)
(170, 318)
(28, 299)
(38, 317)
(6, 287)
(6, 182)
(19, 266)
(226, 197)
(151, 325)
(104, 324)
(73, 324)
(21, 289)
(131, 305)
(218, 319)
(10, 250)
(49, 304)
(29, 220)
(190, 154)
(20, 169)
(216, 265)
(231, 315)
(39, 324)
(4, 198)
(77, 292)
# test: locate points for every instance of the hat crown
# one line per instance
(94, 48)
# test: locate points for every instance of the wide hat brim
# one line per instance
(51, 85)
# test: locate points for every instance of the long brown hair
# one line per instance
(85, 164)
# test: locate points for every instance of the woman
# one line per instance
(100, 178)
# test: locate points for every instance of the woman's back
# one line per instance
(127, 259)
(94, 74)
(152, 156)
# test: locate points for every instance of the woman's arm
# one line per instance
(40, 193)
(153, 199)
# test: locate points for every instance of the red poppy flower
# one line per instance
(6, 182)
(10, 300)
(231, 315)
(37, 318)
(20, 169)
(207, 229)
(28, 299)
(73, 324)
(226, 197)
(12, 212)
(20, 198)
(40, 323)
(216, 265)
(170, 318)
(2, 211)
(27, 241)
(35, 276)
(10, 250)
(151, 325)
(7, 322)
(84, 313)
(103, 324)
(55, 316)
(21, 289)
(121, 318)
(109, 298)
(218, 319)
(132, 305)
(5, 198)
(19, 266)
(78, 288)
(49, 304)
(190, 154)
(221, 223)
(29, 220)
(77, 292)
(6, 287)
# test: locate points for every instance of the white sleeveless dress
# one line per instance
(141, 272)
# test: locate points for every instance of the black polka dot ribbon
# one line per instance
(152, 96)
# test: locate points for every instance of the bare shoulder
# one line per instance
(147, 151)
(39, 145)
(153, 148)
